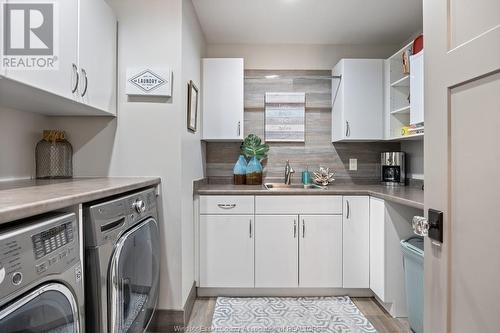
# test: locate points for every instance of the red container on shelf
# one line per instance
(418, 44)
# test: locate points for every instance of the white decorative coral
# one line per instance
(323, 176)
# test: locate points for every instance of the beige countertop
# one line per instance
(405, 195)
(25, 198)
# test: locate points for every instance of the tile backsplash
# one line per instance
(317, 150)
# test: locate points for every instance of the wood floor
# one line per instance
(201, 317)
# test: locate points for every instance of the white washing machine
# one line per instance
(41, 284)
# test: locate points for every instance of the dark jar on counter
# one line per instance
(54, 156)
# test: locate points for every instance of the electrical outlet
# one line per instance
(353, 164)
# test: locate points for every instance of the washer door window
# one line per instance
(134, 278)
(50, 308)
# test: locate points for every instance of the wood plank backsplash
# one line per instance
(317, 150)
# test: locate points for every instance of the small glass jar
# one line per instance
(239, 171)
(254, 172)
(54, 156)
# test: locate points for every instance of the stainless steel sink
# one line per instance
(282, 186)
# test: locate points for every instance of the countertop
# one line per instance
(24, 198)
(405, 195)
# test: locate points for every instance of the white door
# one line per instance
(356, 240)
(377, 247)
(223, 99)
(320, 251)
(356, 118)
(338, 122)
(97, 55)
(417, 88)
(462, 155)
(276, 251)
(226, 251)
(62, 81)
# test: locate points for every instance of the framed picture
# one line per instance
(285, 115)
(192, 114)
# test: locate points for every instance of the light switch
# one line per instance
(353, 164)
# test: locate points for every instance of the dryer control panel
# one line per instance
(106, 221)
(35, 248)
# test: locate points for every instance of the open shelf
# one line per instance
(398, 111)
(402, 82)
(419, 136)
(402, 110)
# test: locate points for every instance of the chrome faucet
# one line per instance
(288, 173)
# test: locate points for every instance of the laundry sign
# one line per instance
(149, 82)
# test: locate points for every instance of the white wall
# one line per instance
(19, 133)
(149, 137)
(145, 138)
(295, 56)
(414, 158)
(192, 152)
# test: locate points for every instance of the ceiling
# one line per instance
(309, 21)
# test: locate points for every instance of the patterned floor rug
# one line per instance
(289, 315)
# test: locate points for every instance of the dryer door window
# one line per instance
(135, 278)
(50, 308)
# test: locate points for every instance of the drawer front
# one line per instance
(298, 204)
(226, 204)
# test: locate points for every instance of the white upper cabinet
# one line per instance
(97, 55)
(417, 88)
(84, 79)
(356, 242)
(404, 94)
(358, 100)
(223, 99)
(62, 80)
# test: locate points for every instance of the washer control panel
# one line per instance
(37, 247)
(52, 239)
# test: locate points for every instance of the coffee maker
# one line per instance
(393, 171)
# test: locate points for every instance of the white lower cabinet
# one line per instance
(377, 248)
(356, 234)
(276, 251)
(298, 251)
(389, 224)
(320, 251)
(227, 251)
(354, 243)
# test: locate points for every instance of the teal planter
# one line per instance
(240, 171)
(254, 172)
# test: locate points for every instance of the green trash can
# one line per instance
(413, 259)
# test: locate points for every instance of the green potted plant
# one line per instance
(253, 148)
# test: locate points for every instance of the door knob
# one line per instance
(420, 226)
(431, 226)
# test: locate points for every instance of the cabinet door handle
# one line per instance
(347, 129)
(239, 128)
(303, 228)
(250, 228)
(84, 73)
(226, 206)
(75, 70)
(348, 214)
(294, 228)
